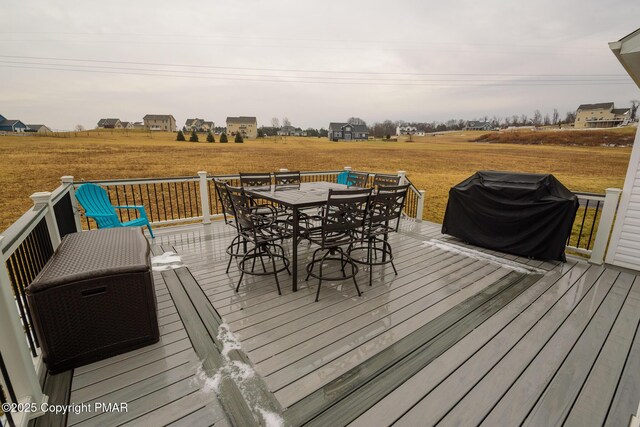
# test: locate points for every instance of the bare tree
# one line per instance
(537, 118)
(286, 122)
(570, 117)
(356, 121)
(634, 108)
(79, 128)
(515, 120)
(524, 119)
(275, 123)
(556, 116)
(547, 119)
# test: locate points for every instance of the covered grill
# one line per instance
(523, 214)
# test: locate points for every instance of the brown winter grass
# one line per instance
(433, 163)
(616, 136)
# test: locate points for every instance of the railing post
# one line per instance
(604, 226)
(403, 176)
(43, 199)
(204, 197)
(420, 211)
(68, 180)
(15, 352)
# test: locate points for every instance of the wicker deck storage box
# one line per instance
(94, 298)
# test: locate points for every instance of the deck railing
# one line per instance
(25, 248)
(193, 198)
(595, 212)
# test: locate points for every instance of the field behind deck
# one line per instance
(434, 163)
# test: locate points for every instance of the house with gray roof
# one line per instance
(160, 122)
(347, 131)
(477, 125)
(109, 124)
(601, 115)
(12, 125)
(247, 126)
(38, 129)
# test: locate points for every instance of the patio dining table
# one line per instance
(308, 195)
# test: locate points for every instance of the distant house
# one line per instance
(406, 130)
(193, 124)
(38, 129)
(126, 125)
(109, 124)
(477, 125)
(207, 126)
(160, 122)
(246, 126)
(602, 115)
(347, 132)
(12, 125)
(138, 125)
(291, 131)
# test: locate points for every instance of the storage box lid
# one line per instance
(93, 254)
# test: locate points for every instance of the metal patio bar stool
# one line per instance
(263, 232)
(238, 245)
(383, 217)
(357, 179)
(342, 222)
(385, 180)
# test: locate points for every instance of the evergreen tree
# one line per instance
(180, 136)
(239, 138)
(194, 137)
(223, 138)
(210, 137)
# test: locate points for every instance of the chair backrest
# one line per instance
(225, 200)
(346, 211)
(386, 180)
(342, 177)
(287, 180)
(258, 179)
(95, 201)
(386, 205)
(242, 211)
(357, 179)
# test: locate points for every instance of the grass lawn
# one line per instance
(433, 163)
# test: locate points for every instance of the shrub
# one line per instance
(180, 136)
(210, 137)
(223, 138)
(194, 136)
(239, 138)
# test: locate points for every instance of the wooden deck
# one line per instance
(460, 336)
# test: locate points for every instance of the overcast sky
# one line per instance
(313, 62)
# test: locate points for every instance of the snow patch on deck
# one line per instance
(166, 261)
(481, 256)
(240, 373)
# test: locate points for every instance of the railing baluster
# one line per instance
(184, 204)
(586, 208)
(126, 202)
(593, 224)
(175, 190)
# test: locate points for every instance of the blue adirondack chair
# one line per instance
(96, 204)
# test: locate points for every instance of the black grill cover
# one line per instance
(523, 214)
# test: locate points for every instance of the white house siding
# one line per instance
(624, 249)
